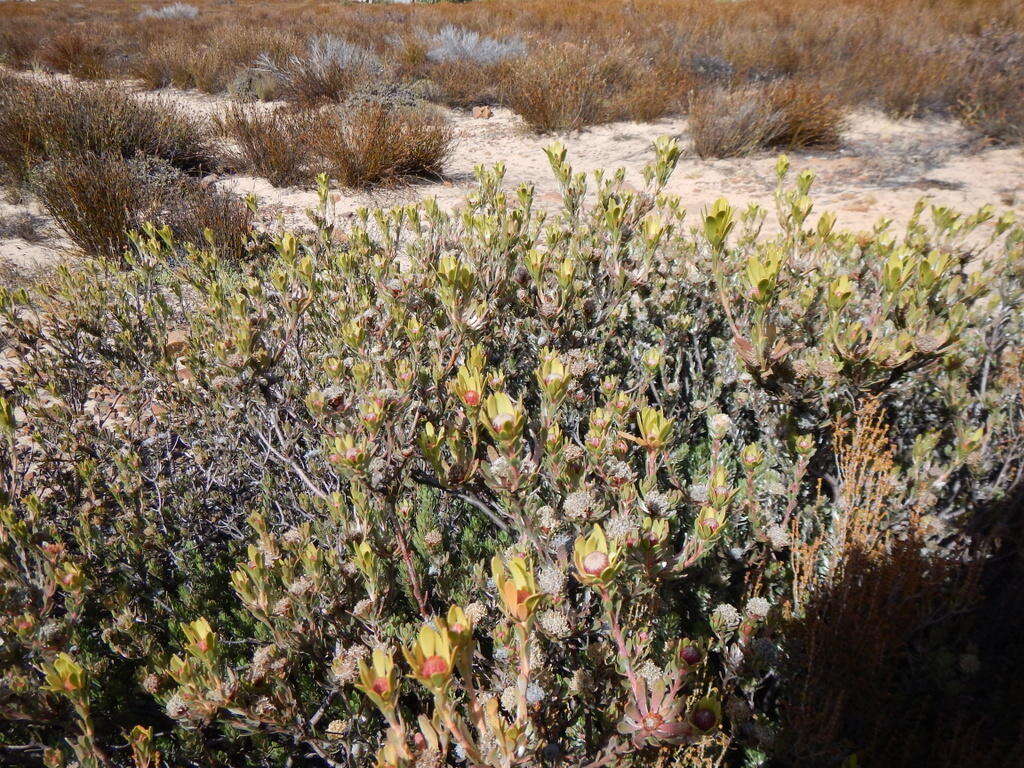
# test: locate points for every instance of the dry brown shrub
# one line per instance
(328, 70)
(913, 84)
(98, 199)
(995, 108)
(19, 41)
(79, 52)
(307, 87)
(275, 144)
(809, 116)
(654, 94)
(39, 120)
(165, 63)
(378, 143)
(557, 88)
(466, 84)
(858, 662)
(730, 123)
(867, 479)
(877, 637)
(208, 59)
(788, 115)
(991, 99)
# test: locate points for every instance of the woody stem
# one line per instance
(620, 643)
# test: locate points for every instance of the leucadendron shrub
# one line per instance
(490, 487)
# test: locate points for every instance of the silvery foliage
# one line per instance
(324, 54)
(453, 43)
(173, 11)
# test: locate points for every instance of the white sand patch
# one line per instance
(882, 169)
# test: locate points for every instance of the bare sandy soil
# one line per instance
(883, 168)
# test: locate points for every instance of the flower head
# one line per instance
(655, 719)
(379, 679)
(517, 588)
(724, 618)
(757, 608)
(597, 561)
(432, 657)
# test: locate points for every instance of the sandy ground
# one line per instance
(882, 169)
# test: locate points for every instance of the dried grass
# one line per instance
(927, 62)
(787, 115)
(378, 143)
(97, 199)
(276, 144)
(39, 120)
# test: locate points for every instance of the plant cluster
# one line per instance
(378, 141)
(102, 163)
(567, 65)
(172, 11)
(489, 487)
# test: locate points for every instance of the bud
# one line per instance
(804, 444)
(710, 524)
(719, 425)
(552, 376)
(720, 493)
(688, 653)
(432, 657)
(517, 588)
(379, 679)
(654, 428)
(64, 675)
(718, 223)
(839, 293)
(503, 418)
(334, 367)
(201, 641)
(652, 359)
(349, 453)
(365, 559)
(751, 456)
(763, 273)
(70, 577)
(469, 383)
(460, 626)
(8, 422)
(597, 560)
(706, 715)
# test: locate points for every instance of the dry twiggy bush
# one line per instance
(98, 200)
(558, 88)
(40, 120)
(377, 143)
(276, 144)
(329, 69)
(82, 53)
(788, 115)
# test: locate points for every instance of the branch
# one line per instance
(424, 479)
